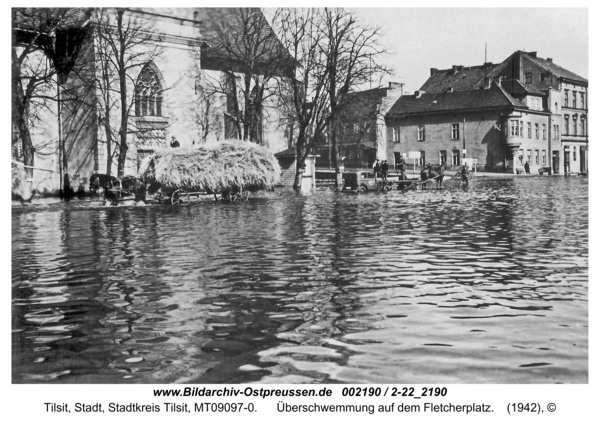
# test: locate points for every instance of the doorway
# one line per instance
(567, 162)
(555, 162)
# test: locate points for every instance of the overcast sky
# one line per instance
(420, 39)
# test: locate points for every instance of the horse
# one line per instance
(435, 173)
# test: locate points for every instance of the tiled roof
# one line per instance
(460, 78)
(493, 97)
(556, 70)
(466, 78)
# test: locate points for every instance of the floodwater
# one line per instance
(481, 285)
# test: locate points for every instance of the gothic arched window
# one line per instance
(148, 94)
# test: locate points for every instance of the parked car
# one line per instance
(363, 182)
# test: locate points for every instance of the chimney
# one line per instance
(549, 59)
(454, 69)
(432, 71)
(488, 65)
(394, 85)
(449, 90)
(419, 93)
(532, 54)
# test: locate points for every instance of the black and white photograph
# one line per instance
(360, 197)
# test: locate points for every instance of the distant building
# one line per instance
(473, 126)
(542, 118)
(361, 129)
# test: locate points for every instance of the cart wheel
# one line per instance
(457, 176)
(386, 188)
(362, 189)
(180, 197)
(470, 175)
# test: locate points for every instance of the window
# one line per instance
(148, 94)
(421, 133)
(528, 78)
(521, 128)
(528, 129)
(537, 131)
(566, 124)
(514, 128)
(455, 157)
(543, 157)
(574, 125)
(555, 107)
(582, 100)
(455, 131)
(574, 99)
(529, 156)
(442, 157)
(537, 157)
(520, 157)
(582, 125)
(566, 98)
(574, 153)
(422, 159)
(543, 131)
(396, 134)
(543, 77)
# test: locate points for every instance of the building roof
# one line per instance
(460, 78)
(516, 88)
(493, 97)
(361, 105)
(550, 66)
(226, 32)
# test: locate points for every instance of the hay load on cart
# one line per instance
(228, 169)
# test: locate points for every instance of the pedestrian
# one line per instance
(401, 166)
(384, 170)
(464, 174)
(526, 166)
(376, 169)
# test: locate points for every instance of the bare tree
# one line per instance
(334, 54)
(253, 60)
(126, 44)
(38, 54)
(304, 96)
(352, 51)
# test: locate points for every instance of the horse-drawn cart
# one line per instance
(228, 170)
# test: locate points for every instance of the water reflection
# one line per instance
(487, 284)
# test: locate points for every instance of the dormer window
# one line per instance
(528, 78)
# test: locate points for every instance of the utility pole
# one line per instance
(464, 143)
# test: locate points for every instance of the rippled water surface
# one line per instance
(483, 285)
